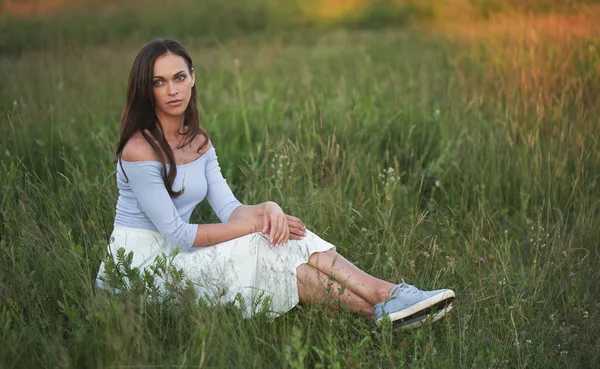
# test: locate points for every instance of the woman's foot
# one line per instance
(410, 307)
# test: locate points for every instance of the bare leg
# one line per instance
(315, 287)
(366, 286)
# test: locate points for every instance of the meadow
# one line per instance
(449, 154)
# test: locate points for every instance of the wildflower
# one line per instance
(465, 319)
(572, 275)
(564, 353)
(502, 282)
(528, 341)
(506, 231)
(512, 144)
(564, 253)
(585, 315)
(451, 261)
(403, 345)
(481, 260)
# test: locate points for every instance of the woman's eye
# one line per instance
(157, 83)
(180, 77)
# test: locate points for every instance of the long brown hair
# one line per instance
(139, 113)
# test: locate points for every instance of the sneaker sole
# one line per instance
(419, 321)
(437, 302)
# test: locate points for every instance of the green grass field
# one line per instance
(467, 163)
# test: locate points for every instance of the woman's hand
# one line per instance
(275, 224)
(280, 226)
(254, 223)
(296, 228)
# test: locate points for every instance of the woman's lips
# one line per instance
(175, 103)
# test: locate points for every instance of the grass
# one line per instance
(469, 164)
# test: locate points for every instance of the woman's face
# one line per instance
(172, 84)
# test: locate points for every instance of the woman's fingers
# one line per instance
(292, 218)
(287, 234)
(266, 223)
(274, 230)
(282, 228)
(296, 221)
(286, 231)
(296, 230)
(282, 232)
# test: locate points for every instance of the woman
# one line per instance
(167, 165)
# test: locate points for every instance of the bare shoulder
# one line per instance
(138, 149)
(201, 140)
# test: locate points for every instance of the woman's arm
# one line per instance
(146, 183)
(258, 210)
(248, 211)
(247, 219)
(275, 222)
(281, 227)
(145, 180)
(212, 234)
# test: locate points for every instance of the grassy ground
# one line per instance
(462, 162)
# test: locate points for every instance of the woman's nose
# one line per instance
(172, 89)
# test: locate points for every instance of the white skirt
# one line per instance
(244, 266)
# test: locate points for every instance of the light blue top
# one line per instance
(145, 203)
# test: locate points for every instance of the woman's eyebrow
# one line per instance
(161, 77)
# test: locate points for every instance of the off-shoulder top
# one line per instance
(145, 203)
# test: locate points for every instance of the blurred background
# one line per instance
(450, 143)
(43, 24)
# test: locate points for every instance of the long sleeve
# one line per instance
(146, 183)
(219, 194)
